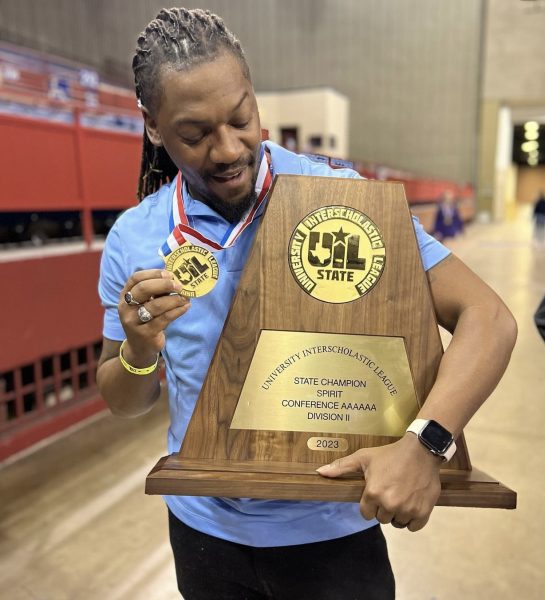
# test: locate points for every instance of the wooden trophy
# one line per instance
(331, 345)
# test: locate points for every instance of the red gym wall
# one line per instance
(55, 166)
(52, 301)
(51, 305)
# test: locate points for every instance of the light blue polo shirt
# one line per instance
(132, 245)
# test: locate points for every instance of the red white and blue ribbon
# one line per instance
(182, 233)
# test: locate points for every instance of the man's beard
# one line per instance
(233, 212)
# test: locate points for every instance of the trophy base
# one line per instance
(299, 481)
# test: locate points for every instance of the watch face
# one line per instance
(436, 437)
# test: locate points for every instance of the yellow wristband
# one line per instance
(134, 370)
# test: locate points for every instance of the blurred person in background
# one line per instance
(539, 318)
(539, 220)
(448, 223)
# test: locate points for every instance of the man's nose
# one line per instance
(226, 147)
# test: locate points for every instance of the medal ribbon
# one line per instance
(183, 233)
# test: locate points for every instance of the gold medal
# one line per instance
(336, 254)
(195, 268)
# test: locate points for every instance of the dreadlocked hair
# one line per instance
(179, 38)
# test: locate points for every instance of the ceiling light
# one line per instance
(529, 146)
(531, 125)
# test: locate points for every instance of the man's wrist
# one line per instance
(421, 453)
(434, 437)
(138, 363)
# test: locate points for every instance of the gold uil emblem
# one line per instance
(195, 268)
(336, 254)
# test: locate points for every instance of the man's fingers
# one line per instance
(383, 515)
(153, 288)
(417, 524)
(160, 310)
(368, 509)
(354, 464)
(160, 305)
(160, 323)
(347, 465)
(139, 276)
(148, 288)
(400, 488)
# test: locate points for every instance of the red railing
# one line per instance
(46, 396)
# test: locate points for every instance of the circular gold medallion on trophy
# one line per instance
(195, 268)
(336, 254)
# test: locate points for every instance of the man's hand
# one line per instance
(401, 481)
(157, 290)
(128, 395)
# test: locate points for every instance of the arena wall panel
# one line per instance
(52, 306)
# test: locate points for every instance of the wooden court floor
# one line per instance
(75, 523)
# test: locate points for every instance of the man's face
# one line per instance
(208, 122)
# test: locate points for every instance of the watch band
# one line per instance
(418, 426)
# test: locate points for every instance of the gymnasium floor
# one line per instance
(76, 525)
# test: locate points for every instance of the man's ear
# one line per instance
(151, 128)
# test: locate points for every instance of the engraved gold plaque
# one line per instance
(195, 268)
(335, 383)
(336, 254)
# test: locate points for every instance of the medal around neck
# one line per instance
(193, 264)
(195, 268)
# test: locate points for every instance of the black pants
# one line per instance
(355, 567)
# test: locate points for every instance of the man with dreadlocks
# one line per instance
(201, 122)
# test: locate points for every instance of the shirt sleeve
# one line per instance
(431, 250)
(311, 167)
(113, 275)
